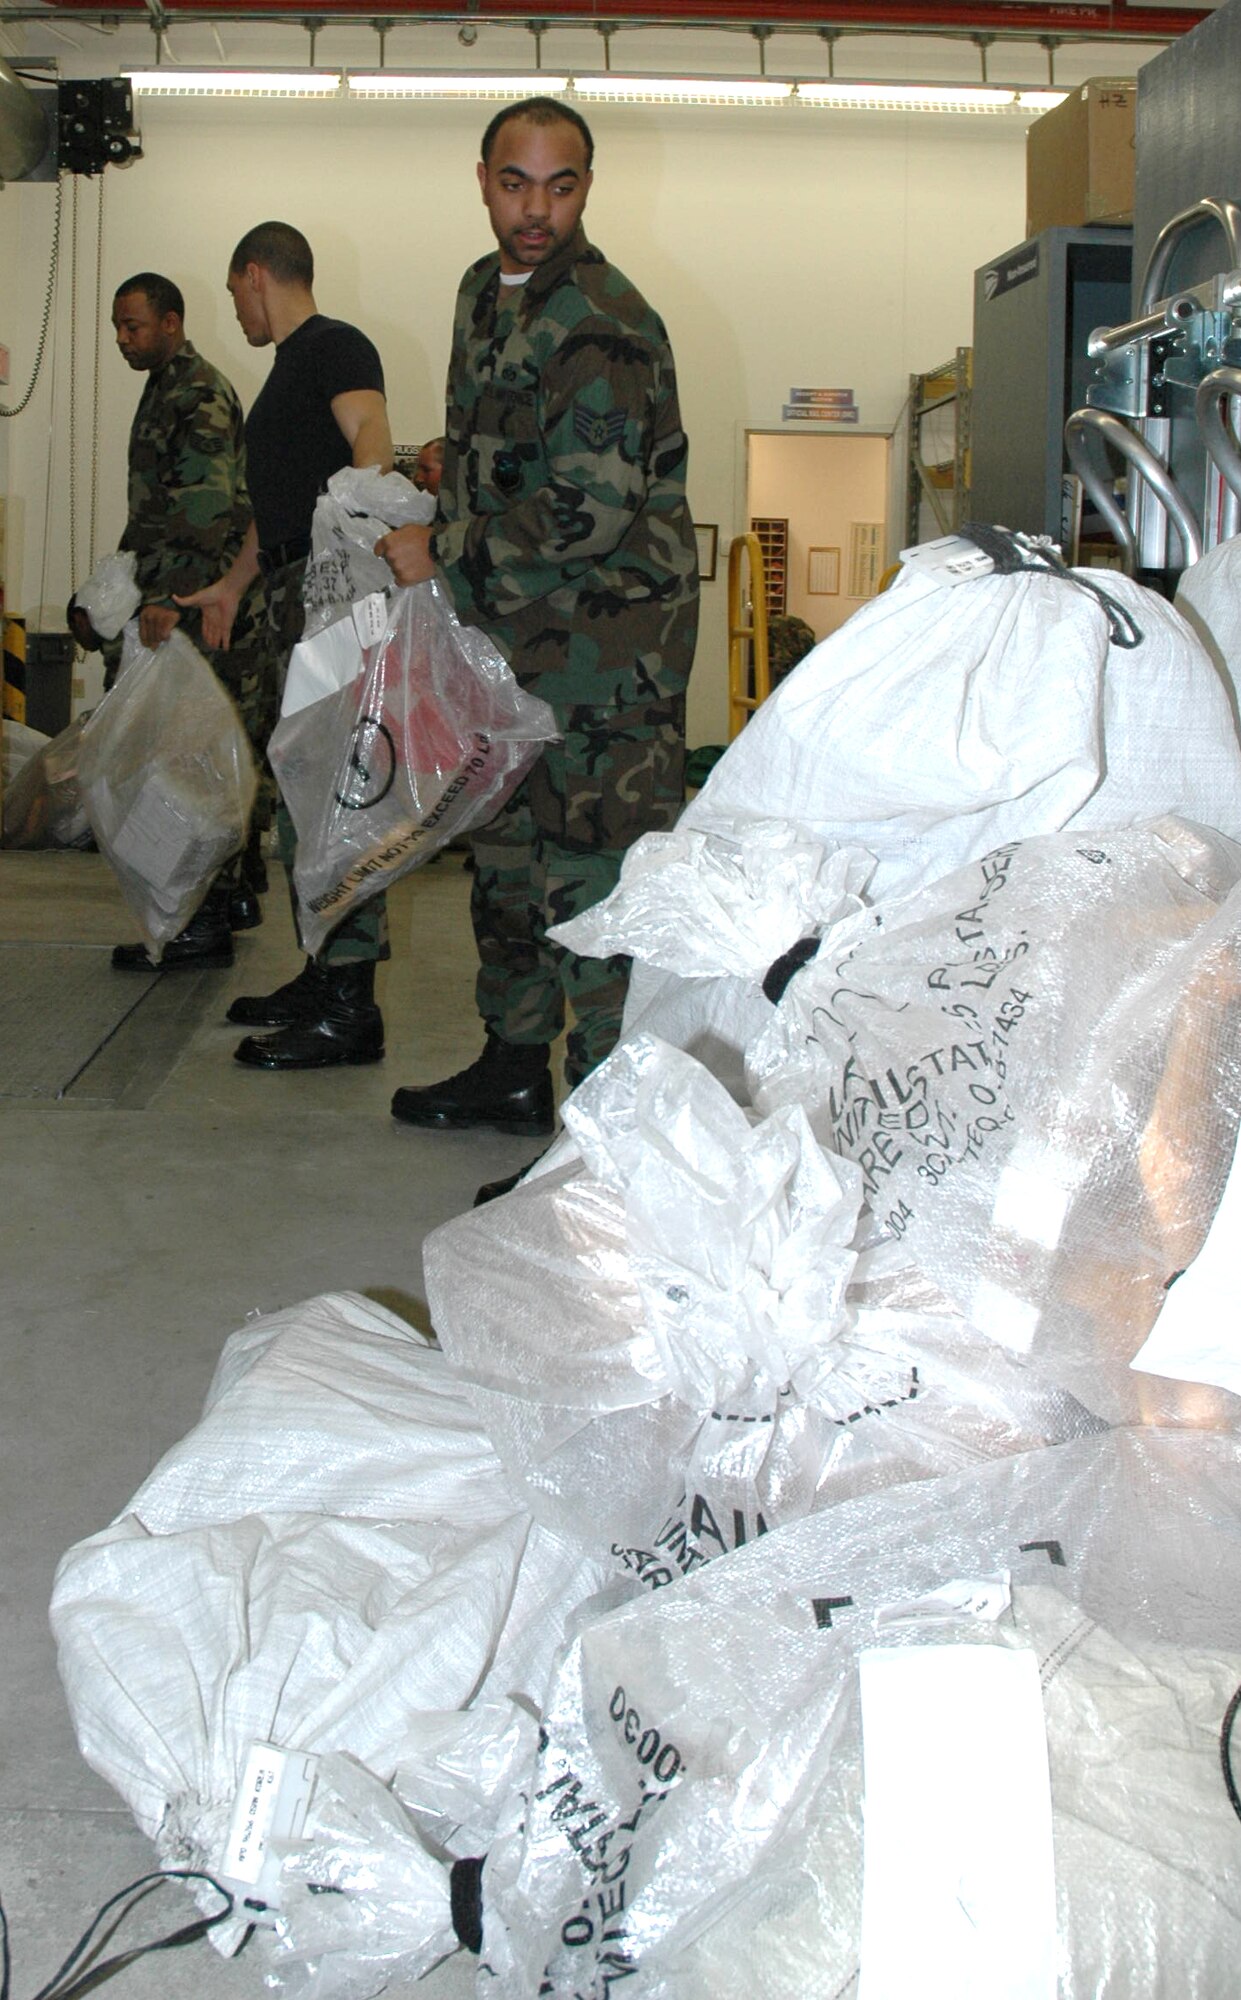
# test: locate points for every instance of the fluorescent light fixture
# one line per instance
(846, 96)
(1040, 100)
(392, 83)
(682, 89)
(171, 82)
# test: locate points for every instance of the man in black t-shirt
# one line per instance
(321, 408)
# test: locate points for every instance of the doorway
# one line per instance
(826, 500)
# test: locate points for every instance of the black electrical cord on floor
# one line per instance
(64, 1987)
(1225, 1752)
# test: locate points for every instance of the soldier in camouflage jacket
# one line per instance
(564, 533)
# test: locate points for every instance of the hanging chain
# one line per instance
(73, 381)
(94, 427)
(49, 469)
(47, 305)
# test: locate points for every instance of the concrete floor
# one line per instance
(144, 1214)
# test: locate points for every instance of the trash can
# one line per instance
(49, 681)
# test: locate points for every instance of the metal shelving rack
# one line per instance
(939, 448)
(773, 540)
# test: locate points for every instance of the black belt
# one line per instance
(281, 554)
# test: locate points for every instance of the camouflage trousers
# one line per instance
(556, 849)
(364, 933)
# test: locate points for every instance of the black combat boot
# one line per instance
(253, 869)
(492, 1190)
(299, 999)
(250, 882)
(245, 911)
(346, 1027)
(205, 942)
(508, 1088)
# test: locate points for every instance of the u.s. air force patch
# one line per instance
(598, 433)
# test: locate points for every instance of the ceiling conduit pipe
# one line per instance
(1107, 20)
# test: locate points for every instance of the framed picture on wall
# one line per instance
(707, 536)
(823, 573)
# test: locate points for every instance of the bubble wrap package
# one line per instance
(167, 779)
(1034, 1062)
(693, 1828)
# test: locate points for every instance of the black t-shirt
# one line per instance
(293, 442)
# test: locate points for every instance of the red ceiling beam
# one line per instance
(1086, 20)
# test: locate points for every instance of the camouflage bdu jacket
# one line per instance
(564, 530)
(188, 504)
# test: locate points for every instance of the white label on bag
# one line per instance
(269, 1814)
(958, 1889)
(370, 617)
(254, 1809)
(950, 559)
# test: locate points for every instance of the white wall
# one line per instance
(781, 248)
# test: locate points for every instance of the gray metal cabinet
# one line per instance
(1034, 310)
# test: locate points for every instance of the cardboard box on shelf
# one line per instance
(1079, 158)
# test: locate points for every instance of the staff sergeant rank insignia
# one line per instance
(599, 433)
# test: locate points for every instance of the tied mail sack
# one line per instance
(942, 721)
(1208, 597)
(427, 741)
(167, 780)
(693, 1828)
(938, 723)
(1034, 1063)
(331, 1556)
(673, 1346)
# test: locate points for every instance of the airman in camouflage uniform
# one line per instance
(188, 515)
(564, 533)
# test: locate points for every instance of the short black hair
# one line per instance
(280, 249)
(160, 293)
(540, 111)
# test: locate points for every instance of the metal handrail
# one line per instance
(741, 703)
(1216, 431)
(1226, 213)
(1084, 425)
